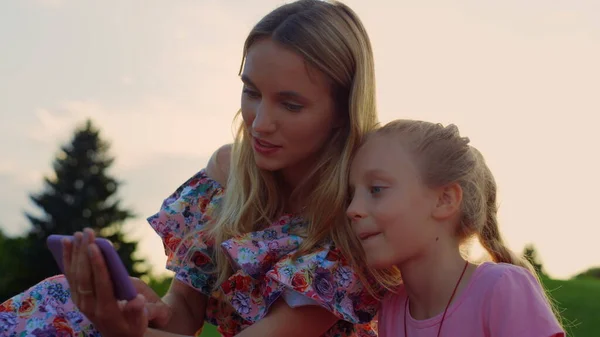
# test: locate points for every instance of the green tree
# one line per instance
(9, 265)
(591, 273)
(79, 194)
(530, 254)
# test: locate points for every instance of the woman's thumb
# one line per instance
(135, 312)
(159, 313)
(144, 289)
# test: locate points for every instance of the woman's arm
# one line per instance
(219, 163)
(282, 320)
(187, 307)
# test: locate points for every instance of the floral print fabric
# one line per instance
(264, 270)
(44, 310)
(263, 262)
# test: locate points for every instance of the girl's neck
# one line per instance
(430, 279)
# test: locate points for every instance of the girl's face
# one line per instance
(391, 209)
(287, 108)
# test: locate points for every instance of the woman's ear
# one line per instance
(449, 200)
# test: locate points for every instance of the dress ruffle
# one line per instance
(266, 267)
(179, 222)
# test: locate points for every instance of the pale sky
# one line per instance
(521, 79)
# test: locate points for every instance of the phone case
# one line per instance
(122, 285)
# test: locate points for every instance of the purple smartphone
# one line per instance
(122, 285)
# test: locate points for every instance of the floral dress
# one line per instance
(263, 272)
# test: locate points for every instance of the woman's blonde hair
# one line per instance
(331, 38)
(444, 157)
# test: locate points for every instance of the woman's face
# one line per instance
(287, 107)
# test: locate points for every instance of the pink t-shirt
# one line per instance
(501, 300)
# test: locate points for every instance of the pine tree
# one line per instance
(80, 194)
(530, 254)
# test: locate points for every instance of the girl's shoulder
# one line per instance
(515, 302)
(492, 275)
(502, 279)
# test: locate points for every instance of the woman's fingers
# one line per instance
(67, 253)
(159, 313)
(112, 317)
(102, 282)
(136, 315)
(136, 304)
(92, 289)
(72, 270)
(77, 237)
(85, 284)
(121, 304)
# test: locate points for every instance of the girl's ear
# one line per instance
(449, 199)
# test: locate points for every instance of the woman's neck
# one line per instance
(295, 175)
(430, 279)
(295, 188)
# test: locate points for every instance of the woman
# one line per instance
(256, 240)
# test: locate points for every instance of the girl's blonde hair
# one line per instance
(332, 39)
(443, 157)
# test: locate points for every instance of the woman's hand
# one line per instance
(159, 313)
(92, 290)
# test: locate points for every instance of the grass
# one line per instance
(577, 300)
(209, 331)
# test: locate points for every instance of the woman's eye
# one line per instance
(250, 93)
(293, 107)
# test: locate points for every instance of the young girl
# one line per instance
(259, 247)
(420, 191)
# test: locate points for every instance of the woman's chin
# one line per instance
(267, 165)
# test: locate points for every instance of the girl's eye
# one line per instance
(376, 189)
(293, 107)
(250, 93)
